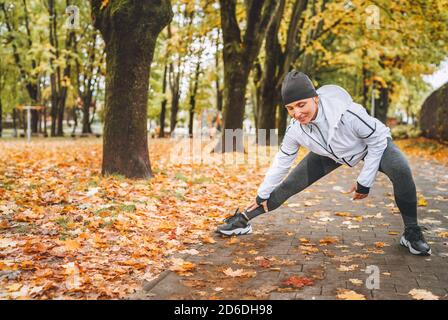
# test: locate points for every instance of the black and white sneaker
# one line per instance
(237, 224)
(413, 239)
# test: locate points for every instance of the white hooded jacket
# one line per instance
(353, 135)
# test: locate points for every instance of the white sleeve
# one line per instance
(281, 164)
(372, 132)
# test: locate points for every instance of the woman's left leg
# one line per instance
(395, 165)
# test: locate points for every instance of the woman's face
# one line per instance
(304, 110)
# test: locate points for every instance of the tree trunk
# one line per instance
(75, 122)
(239, 53)
(164, 102)
(219, 96)
(235, 100)
(87, 101)
(277, 64)
(25, 75)
(14, 122)
(235, 87)
(282, 122)
(382, 105)
(175, 97)
(269, 95)
(257, 76)
(130, 30)
(45, 121)
(1, 118)
(193, 97)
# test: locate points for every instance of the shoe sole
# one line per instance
(405, 243)
(237, 232)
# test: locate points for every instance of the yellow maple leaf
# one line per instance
(380, 244)
(422, 201)
(421, 294)
(356, 282)
(208, 239)
(344, 268)
(345, 294)
(14, 287)
(72, 244)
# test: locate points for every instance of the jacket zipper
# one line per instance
(331, 152)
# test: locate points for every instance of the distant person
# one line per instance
(337, 131)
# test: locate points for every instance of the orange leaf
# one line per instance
(72, 244)
(298, 282)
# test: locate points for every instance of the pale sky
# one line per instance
(439, 77)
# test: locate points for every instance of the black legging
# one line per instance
(313, 167)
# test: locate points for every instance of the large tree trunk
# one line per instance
(239, 53)
(130, 30)
(268, 93)
(234, 103)
(277, 64)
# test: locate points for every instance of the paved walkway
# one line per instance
(322, 235)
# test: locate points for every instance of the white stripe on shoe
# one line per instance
(407, 244)
(237, 231)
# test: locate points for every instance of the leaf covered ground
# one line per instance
(66, 232)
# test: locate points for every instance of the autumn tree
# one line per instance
(88, 73)
(130, 30)
(278, 60)
(239, 52)
(16, 21)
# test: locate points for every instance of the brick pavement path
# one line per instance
(298, 239)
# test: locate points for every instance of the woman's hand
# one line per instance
(253, 205)
(357, 195)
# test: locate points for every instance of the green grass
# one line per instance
(201, 180)
(127, 208)
(180, 176)
(62, 222)
(427, 145)
(8, 184)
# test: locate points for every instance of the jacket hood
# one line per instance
(335, 100)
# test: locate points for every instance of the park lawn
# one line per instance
(425, 148)
(66, 232)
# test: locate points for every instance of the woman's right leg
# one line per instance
(309, 170)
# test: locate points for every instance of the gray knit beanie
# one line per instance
(297, 86)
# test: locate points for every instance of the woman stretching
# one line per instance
(337, 131)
